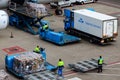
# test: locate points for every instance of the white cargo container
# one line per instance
(94, 23)
(96, 26)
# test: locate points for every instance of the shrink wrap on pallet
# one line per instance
(28, 62)
(35, 9)
(4, 75)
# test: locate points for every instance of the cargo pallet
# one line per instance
(84, 66)
(44, 75)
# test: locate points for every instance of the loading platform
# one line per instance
(84, 66)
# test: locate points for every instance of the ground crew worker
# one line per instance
(42, 51)
(100, 62)
(37, 49)
(60, 67)
(45, 27)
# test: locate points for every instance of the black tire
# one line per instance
(58, 12)
(53, 7)
(91, 41)
(82, 3)
(71, 4)
(94, 1)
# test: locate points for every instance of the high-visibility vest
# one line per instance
(45, 27)
(37, 49)
(100, 61)
(60, 63)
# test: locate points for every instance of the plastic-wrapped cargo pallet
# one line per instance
(36, 9)
(4, 75)
(28, 62)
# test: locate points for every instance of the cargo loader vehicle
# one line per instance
(30, 66)
(26, 15)
(96, 27)
(59, 38)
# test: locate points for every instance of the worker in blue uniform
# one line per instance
(37, 49)
(42, 52)
(100, 63)
(60, 67)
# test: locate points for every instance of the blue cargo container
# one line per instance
(9, 61)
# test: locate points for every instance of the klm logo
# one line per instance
(84, 22)
(81, 20)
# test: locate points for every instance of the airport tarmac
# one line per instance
(69, 53)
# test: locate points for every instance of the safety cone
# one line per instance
(11, 36)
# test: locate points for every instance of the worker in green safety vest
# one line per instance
(60, 67)
(37, 49)
(100, 62)
(45, 27)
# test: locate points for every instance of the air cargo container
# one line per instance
(97, 27)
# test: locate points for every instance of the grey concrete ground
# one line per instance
(69, 53)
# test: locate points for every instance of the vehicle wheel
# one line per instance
(71, 5)
(82, 3)
(51, 6)
(94, 1)
(91, 41)
(58, 12)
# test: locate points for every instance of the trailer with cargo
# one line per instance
(94, 26)
(25, 64)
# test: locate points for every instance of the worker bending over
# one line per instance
(45, 27)
(37, 49)
(60, 67)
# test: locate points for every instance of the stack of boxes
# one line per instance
(28, 62)
(34, 9)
